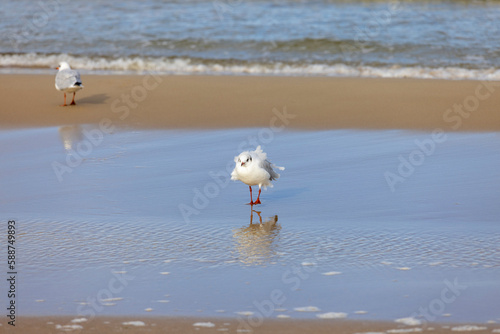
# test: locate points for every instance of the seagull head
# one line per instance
(244, 160)
(63, 66)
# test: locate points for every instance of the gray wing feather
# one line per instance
(67, 78)
(269, 168)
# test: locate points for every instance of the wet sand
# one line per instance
(394, 248)
(223, 102)
(209, 325)
(341, 240)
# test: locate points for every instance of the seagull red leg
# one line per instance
(73, 101)
(258, 198)
(64, 105)
(251, 200)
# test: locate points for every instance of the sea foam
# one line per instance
(188, 66)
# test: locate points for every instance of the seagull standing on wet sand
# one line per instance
(68, 81)
(253, 168)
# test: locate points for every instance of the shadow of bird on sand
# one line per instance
(94, 99)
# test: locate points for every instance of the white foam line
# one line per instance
(79, 320)
(437, 263)
(204, 324)
(308, 263)
(468, 328)
(409, 321)
(307, 309)
(188, 66)
(283, 316)
(68, 328)
(111, 299)
(134, 323)
(332, 315)
(244, 313)
(403, 268)
(404, 330)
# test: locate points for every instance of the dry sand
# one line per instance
(42, 325)
(229, 101)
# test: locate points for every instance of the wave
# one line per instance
(306, 44)
(188, 66)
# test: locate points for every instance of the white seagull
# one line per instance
(68, 81)
(253, 168)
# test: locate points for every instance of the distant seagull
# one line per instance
(253, 168)
(68, 81)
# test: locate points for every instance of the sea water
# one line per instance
(150, 220)
(418, 39)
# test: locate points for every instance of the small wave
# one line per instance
(189, 66)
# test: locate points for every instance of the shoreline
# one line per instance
(156, 324)
(214, 102)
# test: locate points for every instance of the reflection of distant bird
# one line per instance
(255, 242)
(253, 168)
(68, 81)
(70, 135)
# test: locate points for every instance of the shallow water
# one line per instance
(146, 214)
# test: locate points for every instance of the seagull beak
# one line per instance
(57, 68)
(242, 163)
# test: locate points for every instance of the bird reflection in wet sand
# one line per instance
(70, 136)
(256, 243)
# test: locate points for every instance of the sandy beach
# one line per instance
(174, 102)
(347, 243)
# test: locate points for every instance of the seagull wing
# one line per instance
(68, 78)
(268, 167)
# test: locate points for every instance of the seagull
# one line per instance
(253, 168)
(68, 81)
